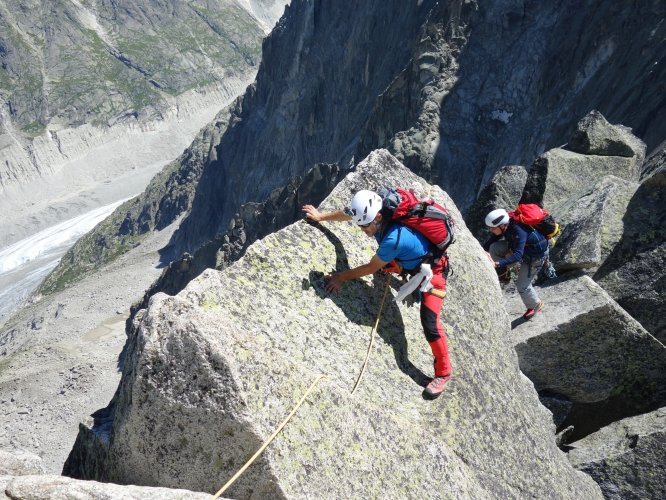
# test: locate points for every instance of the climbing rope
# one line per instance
(372, 336)
(268, 441)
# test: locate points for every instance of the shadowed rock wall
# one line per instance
(455, 89)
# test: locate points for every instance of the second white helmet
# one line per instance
(364, 207)
(497, 218)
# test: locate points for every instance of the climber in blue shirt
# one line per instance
(404, 248)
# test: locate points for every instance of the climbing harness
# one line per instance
(372, 336)
(268, 441)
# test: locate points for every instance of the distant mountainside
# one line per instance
(66, 63)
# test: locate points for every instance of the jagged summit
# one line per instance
(210, 373)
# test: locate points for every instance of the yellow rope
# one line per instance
(372, 336)
(268, 441)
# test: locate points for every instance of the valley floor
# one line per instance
(66, 367)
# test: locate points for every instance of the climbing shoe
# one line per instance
(435, 387)
(532, 311)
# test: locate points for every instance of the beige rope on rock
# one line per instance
(372, 336)
(268, 441)
(310, 389)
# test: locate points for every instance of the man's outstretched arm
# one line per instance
(335, 280)
(314, 214)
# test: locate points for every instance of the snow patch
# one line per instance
(501, 115)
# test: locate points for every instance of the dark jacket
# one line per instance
(523, 241)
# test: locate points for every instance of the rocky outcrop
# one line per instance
(654, 161)
(209, 374)
(560, 173)
(628, 458)
(595, 136)
(50, 486)
(634, 273)
(19, 463)
(586, 348)
(591, 224)
(503, 191)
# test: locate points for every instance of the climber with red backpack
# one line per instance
(521, 237)
(413, 236)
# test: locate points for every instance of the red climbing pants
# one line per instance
(431, 306)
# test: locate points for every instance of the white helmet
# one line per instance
(364, 207)
(497, 218)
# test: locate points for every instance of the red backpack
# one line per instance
(532, 215)
(427, 217)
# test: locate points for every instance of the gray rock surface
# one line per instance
(628, 458)
(592, 224)
(634, 274)
(595, 136)
(583, 346)
(560, 174)
(210, 373)
(338, 82)
(19, 463)
(252, 222)
(323, 67)
(510, 112)
(58, 487)
(503, 191)
(654, 161)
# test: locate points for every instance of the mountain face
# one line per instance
(68, 63)
(456, 90)
(97, 96)
(323, 67)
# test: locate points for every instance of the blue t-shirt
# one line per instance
(411, 246)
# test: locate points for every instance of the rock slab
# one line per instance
(211, 372)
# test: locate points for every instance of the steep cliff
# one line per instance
(210, 372)
(323, 67)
